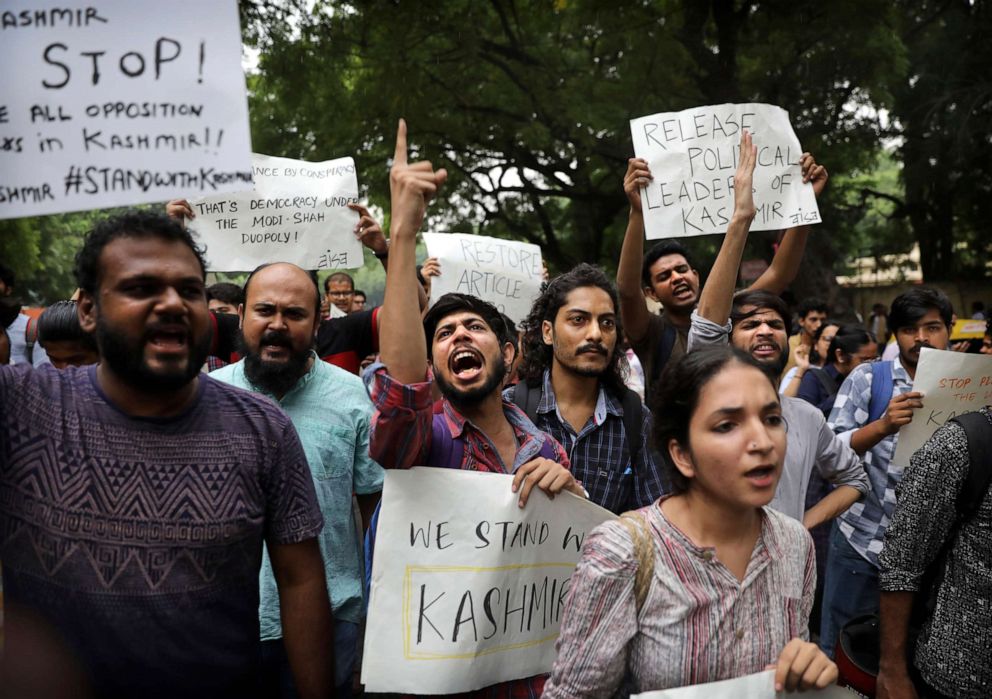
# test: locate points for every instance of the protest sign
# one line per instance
(506, 273)
(951, 383)
(968, 329)
(760, 685)
(467, 587)
(118, 103)
(693, 155)
(298, 212)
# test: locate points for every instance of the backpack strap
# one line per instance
(827, 381)
(979, 433)
(633, 421)
(527, 398)
(664, 353)
(637, 526)
(445, 451)
(881, 390)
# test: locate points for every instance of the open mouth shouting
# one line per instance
(168, 339)
(762, 476)
(466, 364)
(683, 292)
(765, 350)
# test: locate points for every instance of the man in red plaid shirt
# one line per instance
(458, 344)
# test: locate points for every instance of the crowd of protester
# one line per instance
(187, 471)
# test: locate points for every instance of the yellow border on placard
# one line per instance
(407, 589)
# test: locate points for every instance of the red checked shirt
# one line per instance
(401, 438)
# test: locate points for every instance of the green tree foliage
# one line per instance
(527, 103)
(944, 110)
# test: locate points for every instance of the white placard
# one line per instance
(693, 155)
(119, 102)
(297, 213)
(760, 685)
(506, 273)
(467, 587)
(951, 383)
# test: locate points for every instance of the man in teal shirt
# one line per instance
(331, 411)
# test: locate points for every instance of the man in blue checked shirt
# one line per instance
(572, 387)
(875, 401)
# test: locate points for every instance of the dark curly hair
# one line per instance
(676, 397)
(538, 356)
(132, 224)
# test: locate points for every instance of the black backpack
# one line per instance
(528, 397)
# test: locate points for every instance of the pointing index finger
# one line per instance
(399, 157)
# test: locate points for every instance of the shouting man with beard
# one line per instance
(135, 495)
(572, 387)
(331, 413)
(459, 344)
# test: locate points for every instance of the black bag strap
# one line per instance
(633, 421)
(977, 428)
(664, 353)
(826, 381)
(527, 398)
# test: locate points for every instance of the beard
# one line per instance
(275, 377)
(467, 398)
(127, 360)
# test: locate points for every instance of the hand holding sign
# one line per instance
(180, 210)
(802, 665)
(638, 176)
(900, 411)
(368, 231)
(411, 186)
(547, 475)
(813, 173)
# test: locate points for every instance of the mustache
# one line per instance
(598, 349)
(917, 346)
(275, 339)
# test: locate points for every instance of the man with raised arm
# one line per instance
(667, 275)
(458, 344)
(756, 321)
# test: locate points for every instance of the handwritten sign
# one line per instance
(951, 383)
(468, 588)
(760, 685)
(298, 212)
(693, 155)
(118, 103)
(506, 273)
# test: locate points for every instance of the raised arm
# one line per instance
(788, 257)
(402, 346)
(718, 294)
(633, 306)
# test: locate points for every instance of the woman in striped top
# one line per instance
(732, 581)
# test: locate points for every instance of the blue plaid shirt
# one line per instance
(600, 453)
(864, 524)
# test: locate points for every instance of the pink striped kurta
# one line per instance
(698, 623)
